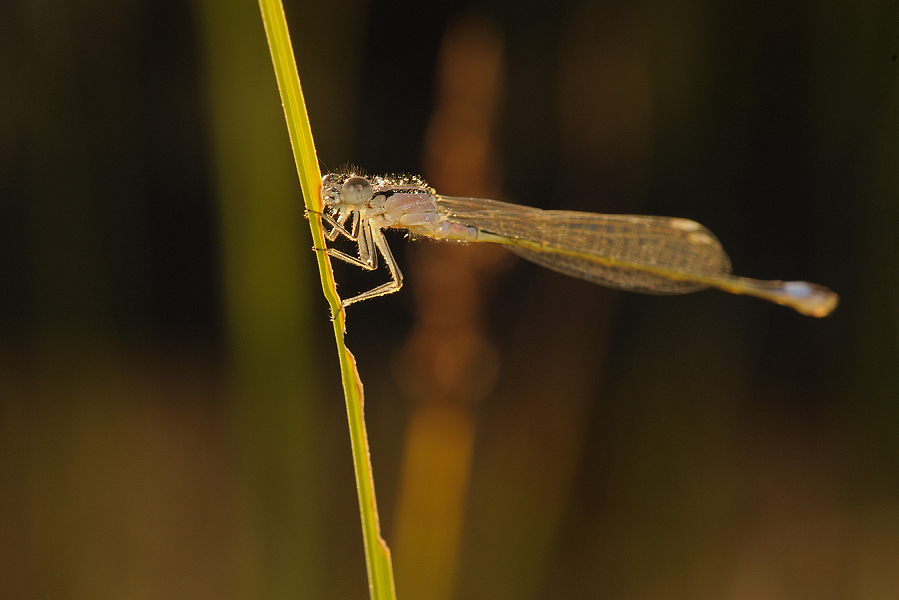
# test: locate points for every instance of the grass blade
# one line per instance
(377, 555)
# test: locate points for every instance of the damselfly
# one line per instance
(654, 255)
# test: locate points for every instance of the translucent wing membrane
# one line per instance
(604, 249)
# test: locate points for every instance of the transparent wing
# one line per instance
(657, 255)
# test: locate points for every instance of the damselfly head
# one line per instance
(345, 191)
(356, 191)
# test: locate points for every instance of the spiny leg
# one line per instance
(337, 226)
(377, 237)
(368, 257)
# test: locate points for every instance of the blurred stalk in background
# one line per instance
(267, 287)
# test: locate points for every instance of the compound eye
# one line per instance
(356, 191)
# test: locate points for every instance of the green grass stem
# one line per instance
(377, 555)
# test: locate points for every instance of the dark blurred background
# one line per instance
(171, 419)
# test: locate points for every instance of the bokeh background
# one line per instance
(171, 419)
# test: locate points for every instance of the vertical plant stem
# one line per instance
(377, 555)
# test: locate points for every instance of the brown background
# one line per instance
(171, 422)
